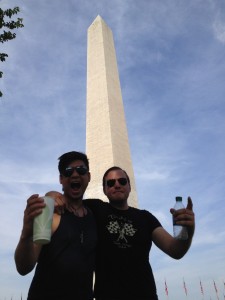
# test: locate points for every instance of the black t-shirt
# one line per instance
(65, 267)
(124, 242)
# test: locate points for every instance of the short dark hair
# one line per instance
(67, 158)
(113, 169)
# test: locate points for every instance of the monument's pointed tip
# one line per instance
(98, 17)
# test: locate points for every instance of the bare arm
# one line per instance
(26, 253)
(168, 244)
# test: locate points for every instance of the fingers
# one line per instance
(34, 207)
(59, 205)
(172, 211)
(189, 204)
(184, 216)
(59, 201)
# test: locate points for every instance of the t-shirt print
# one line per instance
(121, 228)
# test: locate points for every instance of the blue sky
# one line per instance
(171, 58)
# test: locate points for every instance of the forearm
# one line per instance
(180, 247)
(171, 246)
(26, 255)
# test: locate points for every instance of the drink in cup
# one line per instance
(42, 228)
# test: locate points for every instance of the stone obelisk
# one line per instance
(107, 142)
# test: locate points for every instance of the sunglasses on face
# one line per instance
(111, 182)
(81, 170)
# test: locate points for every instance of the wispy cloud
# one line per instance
(171, 64)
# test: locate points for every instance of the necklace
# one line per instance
(79, 211)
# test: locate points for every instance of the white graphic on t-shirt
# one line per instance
(122, 227)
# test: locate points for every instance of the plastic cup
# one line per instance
(42, 228)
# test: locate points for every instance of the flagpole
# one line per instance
(201, 288)
(185, 289)
(166, 290)
(216, 290)
(224, 288)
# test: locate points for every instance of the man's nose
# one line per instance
(117, 184)
(75, 173)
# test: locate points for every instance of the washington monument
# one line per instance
(107, 142)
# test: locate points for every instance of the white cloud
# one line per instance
(172, 77)
(219, 30)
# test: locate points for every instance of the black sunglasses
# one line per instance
(81, 170)
(111, 182)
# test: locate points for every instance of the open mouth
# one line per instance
(75, 185)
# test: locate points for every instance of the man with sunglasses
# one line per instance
(64, 267)
(125, 236)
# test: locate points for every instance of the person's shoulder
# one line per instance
(139, 211)
(92, 202)
(146, 216)
(92, 199)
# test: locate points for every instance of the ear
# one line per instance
(104, 190)
(60, 178)
(89, 176)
